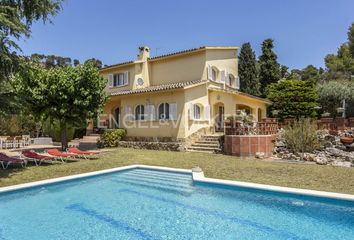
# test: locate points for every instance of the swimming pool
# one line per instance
(150, 204)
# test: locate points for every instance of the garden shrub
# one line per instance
(293, 98)
(301, 136)
(111, 138)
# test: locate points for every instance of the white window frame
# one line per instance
(120, 79)
(214, 74)
(231, 80)
(141, 115)
(197, 115)
(166, 107)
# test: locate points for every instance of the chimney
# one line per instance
(144, 53)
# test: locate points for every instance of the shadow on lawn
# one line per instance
(14, 169)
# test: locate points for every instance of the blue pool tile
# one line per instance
(109, 220)
(285, 234)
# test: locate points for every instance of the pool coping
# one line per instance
(197, 176)
(89, 174)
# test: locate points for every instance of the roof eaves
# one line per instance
(162, 87)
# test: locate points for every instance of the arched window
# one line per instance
(139, 112)
(164, 111)
(196, 111)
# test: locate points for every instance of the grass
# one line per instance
(324, 178)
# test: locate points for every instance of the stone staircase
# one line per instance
(205, 143)
(86, 143)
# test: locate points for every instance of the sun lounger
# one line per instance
(5, 161)
(38, 158)
(61, 155)
(83, 154)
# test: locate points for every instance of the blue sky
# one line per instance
(111, 30)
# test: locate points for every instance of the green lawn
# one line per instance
(326, 178)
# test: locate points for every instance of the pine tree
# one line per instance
(247, 70)
(351, 39)
(269, 67)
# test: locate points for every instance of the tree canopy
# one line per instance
(247, 70)
(269, 67)
(332, 93)
(16, 18)
(293, 98)
(70, 95)
(351, 39)
(340, 65)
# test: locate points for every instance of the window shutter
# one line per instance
(228, 82)
(237, 83)
(150, 112)
(147, 112)
(110, 80)
(210, 73)
(126, 78)
(223, 76)
(173, 111)
(207, 112)
(190, 111)
(128, 113)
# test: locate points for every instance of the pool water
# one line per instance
(149, 204)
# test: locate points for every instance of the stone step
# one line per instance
(89, 140)
(94, 135)
(199, 151)
(88, 146)
(203, 148)
(210, 138)
(206, 141)
(91, 137)
(205, 145)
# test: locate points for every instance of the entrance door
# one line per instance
(116, 117)
(220, 119)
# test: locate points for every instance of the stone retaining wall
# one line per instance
(165, 146)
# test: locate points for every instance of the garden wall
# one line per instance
(249, 145)
(165, 146)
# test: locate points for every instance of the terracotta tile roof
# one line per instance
(157, 88)
(116, 65)
(238, 92)
(179, 52)
(172, 54)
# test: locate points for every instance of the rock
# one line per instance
(260, 155)
(309, 157)
(341, 147)
(330, 138)
(328, 144)
(341, 164)
(321, 160)
(280, 144)
(334, 152)
(350, 147)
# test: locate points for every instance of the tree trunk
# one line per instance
(64, 143)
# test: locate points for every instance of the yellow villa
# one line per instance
(174, 96)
